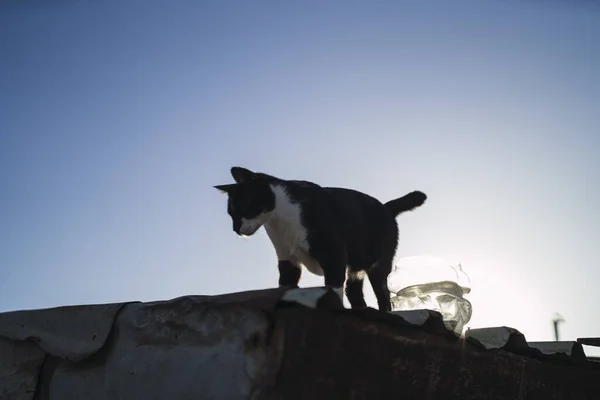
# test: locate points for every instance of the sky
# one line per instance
(118, 117)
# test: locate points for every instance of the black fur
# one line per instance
(347, 231)
(289, 274)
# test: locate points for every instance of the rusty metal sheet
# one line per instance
(71, 332)
(496, 337)
(20, 363)
(567, 348)
(589, 341)
(343, 357)
(418, 320)
(510, 339)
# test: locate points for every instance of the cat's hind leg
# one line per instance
(378, 275)
(354, 288)
(289, 274)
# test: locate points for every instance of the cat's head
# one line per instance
(250, 200)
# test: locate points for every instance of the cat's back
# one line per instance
(352, 201)
(334, 202)
(362, 221)
(306, 190)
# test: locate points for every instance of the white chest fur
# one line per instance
(287, 233)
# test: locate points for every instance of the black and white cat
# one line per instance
(341, 234)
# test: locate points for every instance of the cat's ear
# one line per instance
(242, 174)
(227, 189)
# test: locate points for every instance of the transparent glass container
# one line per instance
(428, 282)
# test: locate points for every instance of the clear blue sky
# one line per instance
(118, 117)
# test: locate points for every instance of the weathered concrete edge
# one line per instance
(17, 333)
(79, 331)
(144, 316)
(69, 332)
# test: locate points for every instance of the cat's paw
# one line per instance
(288, 286)
(338, 290)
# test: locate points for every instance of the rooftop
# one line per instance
(268, 344)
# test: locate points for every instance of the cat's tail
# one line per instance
(407, 202)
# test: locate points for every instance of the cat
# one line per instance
(341, 234)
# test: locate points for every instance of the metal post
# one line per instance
(557, 320)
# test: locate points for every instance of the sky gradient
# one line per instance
(118, 117)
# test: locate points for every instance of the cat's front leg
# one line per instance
(334, 279)
(334, 269)
(289, 274)
(331, 256)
